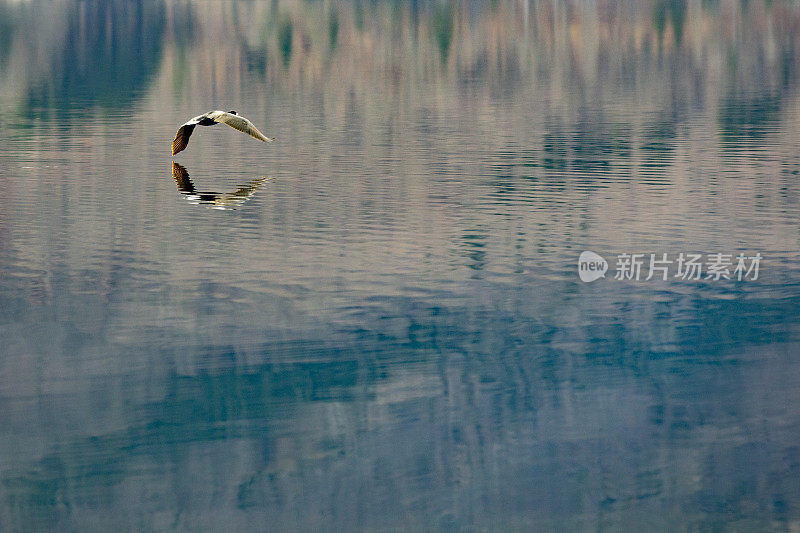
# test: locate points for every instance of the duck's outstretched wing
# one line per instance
(182, 180)
(242, 124)
(182, 138)
(240, 195)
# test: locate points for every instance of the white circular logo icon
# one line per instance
(591, 266)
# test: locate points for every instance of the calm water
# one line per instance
(377, 322)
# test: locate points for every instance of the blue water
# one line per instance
(377, 321)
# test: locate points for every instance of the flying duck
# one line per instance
(215, 117)
(214, 200)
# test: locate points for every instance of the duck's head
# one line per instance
(232, 112)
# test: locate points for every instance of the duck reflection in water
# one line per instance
(214, 200)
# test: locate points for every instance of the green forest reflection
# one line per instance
(111, 53)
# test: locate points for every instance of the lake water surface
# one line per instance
(377, 321)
